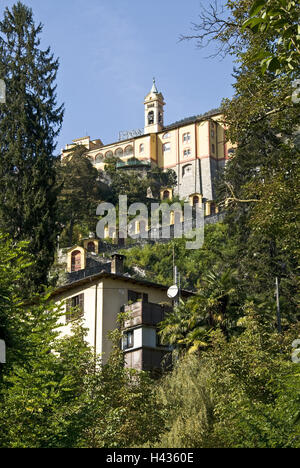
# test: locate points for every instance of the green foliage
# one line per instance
(242, 393)
(135, 183)
(79, 195)
(29, 124)
(188, 327)
(279, 19)
(193, 265)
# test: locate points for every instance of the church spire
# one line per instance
(154, 88)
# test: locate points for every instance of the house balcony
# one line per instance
(144, 313)
(134, 163)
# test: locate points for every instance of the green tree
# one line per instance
(215, 306)
(79, 195)
(242, 393)
(29, 124)
(280, 20)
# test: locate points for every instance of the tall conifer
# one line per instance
(30, 121)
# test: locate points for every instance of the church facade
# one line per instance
(195, 148)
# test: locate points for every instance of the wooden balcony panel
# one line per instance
(144, 313)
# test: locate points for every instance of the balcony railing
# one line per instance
(144, 313)
(133, 163)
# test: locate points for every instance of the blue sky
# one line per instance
(109, 50)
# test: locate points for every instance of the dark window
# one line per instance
(127, 340)
(195, 200)
(75, 308)
(134, 296)
(91, 246)
(150, 118)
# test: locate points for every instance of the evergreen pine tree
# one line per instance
(29, 124)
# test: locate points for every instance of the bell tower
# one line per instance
(154, 111)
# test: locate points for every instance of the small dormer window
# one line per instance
(150, 118)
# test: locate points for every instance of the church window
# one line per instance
(186, 137)
(187, 153)
(98, 158)
(166, 135)
(128, 151)
(150, 118)
(160, 117)
(119, 152)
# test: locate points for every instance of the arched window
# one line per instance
(91, 246)
(166, 135)
(109, 154)
(186, 170)
(76, 260)
(119, 152)
(150, 118)
(142, 148)
(160, 117)
(98, 158)
(128, 150)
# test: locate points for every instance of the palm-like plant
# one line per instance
(188, 326)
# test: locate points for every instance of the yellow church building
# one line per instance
(195, 148)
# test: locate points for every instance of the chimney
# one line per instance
(117, 264)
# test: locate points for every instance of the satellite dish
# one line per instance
(172, 291)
